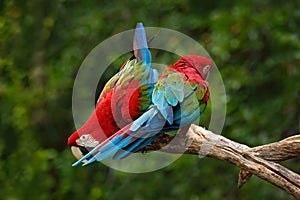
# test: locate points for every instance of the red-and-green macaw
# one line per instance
(137, 105)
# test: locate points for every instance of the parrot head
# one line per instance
(77, 150)
(203, 65)
(81, 144)
(86, 138)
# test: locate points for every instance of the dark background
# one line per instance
(255, 44)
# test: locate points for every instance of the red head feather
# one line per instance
(202, 64)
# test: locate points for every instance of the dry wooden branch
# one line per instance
(277, 152)
(258, 160)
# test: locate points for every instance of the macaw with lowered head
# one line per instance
(137, 105)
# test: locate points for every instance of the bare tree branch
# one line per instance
(279, 151)
(257, 160)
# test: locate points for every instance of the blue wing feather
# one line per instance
(145, 118)
(170, 97)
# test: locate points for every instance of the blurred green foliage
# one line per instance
(255, 44)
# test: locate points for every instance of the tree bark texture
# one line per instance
(260, 160)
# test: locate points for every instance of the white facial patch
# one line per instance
(87, 140)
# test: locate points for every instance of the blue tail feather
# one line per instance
(143, 142)
(140, 45)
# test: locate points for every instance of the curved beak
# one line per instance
(206, 71)
(79, 151)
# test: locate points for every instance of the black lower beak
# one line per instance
(83, 150)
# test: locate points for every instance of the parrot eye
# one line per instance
(206, 69)
(84, 138)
